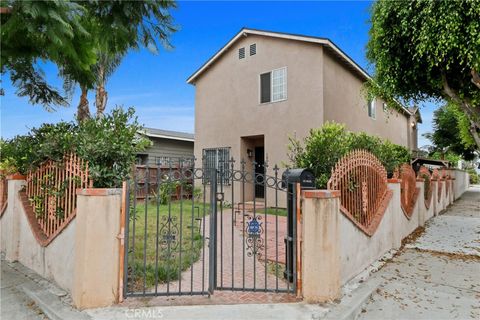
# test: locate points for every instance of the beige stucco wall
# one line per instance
(344, 102)
(96, 267)
(55, 261)
(227, 101)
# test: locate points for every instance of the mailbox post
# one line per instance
(291, 177)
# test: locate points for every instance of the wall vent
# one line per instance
(241, 53)
(253, 49)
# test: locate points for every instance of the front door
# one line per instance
(259, 172)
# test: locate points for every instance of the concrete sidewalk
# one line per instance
(14, 303)
(437, 276)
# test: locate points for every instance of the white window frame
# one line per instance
(271, 86)
(371, 104)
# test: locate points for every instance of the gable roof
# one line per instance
(327, 43)
(167, 134)
(281, 35)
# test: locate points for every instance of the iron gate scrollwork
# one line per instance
(191, 231)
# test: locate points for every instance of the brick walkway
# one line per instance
(237, 266)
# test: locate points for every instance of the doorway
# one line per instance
(260, 172)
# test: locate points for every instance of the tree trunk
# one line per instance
(83, 110)
(101, 95)
(470, 111)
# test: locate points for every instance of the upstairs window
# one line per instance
(385, 107)
(241, 53)
(253, 49)
(273, 85)
(371, 109)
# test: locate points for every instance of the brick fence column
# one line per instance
(97, 248)
(320, 249)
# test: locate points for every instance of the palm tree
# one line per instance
(105, 67)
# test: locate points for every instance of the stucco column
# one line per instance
(321, 246)
(422, 210)
(97, 248)
(11, 219)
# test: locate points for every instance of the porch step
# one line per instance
(249, 205)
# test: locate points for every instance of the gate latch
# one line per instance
(220, 196)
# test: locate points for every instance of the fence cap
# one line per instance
(321, 194)
(99, 192)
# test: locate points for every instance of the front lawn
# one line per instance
(180, 242)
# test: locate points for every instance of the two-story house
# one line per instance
(262, 87)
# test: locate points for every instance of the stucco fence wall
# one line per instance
(84, 258)
(346, 251)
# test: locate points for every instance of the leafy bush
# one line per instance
(109, 144)
(474, 177)
(322, 149)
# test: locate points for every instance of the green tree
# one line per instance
(428, 49)
(85, 39)
(450, 133)
(41, 30)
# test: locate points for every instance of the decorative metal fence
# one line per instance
(362, 180)
(51, 191)
(424, 174)
(408, 188)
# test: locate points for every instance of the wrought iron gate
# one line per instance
(191, 231)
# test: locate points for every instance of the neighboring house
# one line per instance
(263, 87)
(167, 146)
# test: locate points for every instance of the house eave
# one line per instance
(327, 43)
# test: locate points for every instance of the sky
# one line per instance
(156, 84)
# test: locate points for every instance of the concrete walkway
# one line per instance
(438, 275)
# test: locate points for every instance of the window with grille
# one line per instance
(217, 158)
(253, 49)
(241, 53)
(273, 85)
(371, 109)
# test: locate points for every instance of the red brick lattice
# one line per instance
(424, 174)
(446, 177)
(3, 193)
(408, 188)
(436, 176)
(50, 195)
(362, 181)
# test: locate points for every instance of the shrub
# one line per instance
(322, 149)
(109, 144)
(474, 177)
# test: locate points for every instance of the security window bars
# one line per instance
(253, 49)
(273, 85)
(371, 109)
(217, 158)
(241, 53)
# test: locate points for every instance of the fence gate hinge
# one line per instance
(121, 236)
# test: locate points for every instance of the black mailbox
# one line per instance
(291, 177)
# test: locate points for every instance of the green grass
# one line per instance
(183, 253)
(274, 211)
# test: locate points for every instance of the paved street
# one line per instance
(438, 275)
